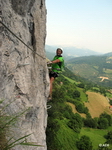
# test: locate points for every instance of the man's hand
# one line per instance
(49, 62)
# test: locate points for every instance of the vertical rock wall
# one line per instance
(23, 72)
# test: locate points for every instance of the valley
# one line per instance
(81, 105)
(97, 69)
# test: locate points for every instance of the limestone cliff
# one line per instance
(23, 71)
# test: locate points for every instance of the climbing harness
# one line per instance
(20, 40)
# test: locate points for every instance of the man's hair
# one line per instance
(60, 49)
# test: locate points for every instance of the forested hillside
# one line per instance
(71, 123)
(97, 69)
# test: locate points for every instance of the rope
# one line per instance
(20, 40)
(49, 106)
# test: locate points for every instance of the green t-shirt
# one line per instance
(58, 67)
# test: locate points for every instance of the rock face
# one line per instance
(23, 71)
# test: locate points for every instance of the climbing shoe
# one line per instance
(49, 98)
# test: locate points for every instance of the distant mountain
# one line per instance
(50, 55)
(108, 54)
(71, 52)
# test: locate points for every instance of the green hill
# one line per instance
(97, 69)
(72, 116)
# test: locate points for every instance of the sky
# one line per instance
(85, 24)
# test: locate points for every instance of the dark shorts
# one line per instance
(53, 74)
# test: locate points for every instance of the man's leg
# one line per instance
(51, 85)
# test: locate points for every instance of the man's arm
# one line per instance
(56, 61)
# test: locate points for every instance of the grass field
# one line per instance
(66, 142)
(109, 95)
(96, 136)
(75, 111)
(70, 80)
(97, 104)
(108, 71)
(83, 95)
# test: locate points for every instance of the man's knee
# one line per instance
(52, 79)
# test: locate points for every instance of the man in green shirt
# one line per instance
(57, 66)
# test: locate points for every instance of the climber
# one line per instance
(57, 66)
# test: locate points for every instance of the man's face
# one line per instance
(58, 52)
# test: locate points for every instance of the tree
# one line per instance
(110, 102)
(76, 94)
(81, 85)
(103, 123)
(80, 108)
(86, 110)
(109, 137)
(103, 91)
(108, 117)
(59, 93)
(84, 143)
(90, 122)
(75, 123)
